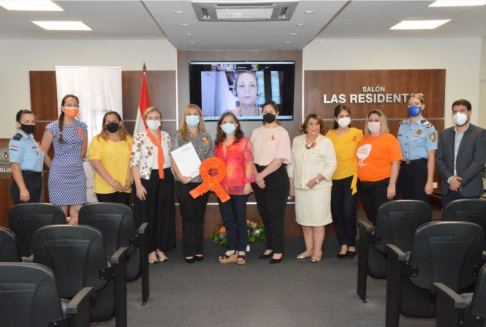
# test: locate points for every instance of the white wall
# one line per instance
(482, 77)
(17, 58)
(460, 58)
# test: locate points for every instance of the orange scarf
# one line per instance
(160, 153)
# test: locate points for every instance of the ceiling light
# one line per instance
(62, 25)
(184, 25)
(300, 24)
(192, 42)
(419, 24)
(30, 5)
(287, 42)
(178, 12)
(189, 34)
(462, 3)
(309, 12)
(293, 34)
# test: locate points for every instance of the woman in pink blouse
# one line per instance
(236, 152)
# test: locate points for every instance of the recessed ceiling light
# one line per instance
(62, 25)
(287, 42)
(192, 42)
(419, 24)
(30, 5)
(189, 34)
(300, 24)
(293, 34)
(462, 3)
(309, 12)
(178, 12)
(184, 25)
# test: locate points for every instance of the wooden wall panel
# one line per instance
(43, 95)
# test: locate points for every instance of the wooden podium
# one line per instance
(5, 183)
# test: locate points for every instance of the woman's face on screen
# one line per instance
(246, 89)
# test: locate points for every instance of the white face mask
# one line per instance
(153, 124)
(374, 127)
(460, 119)
(344, 122)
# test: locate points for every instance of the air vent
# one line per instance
(243, 11)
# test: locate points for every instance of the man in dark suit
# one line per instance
(461, 156)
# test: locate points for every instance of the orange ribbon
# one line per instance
(212, 182)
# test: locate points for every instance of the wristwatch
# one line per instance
(317, 180)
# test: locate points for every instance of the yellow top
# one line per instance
(346, 146)
(115, 157)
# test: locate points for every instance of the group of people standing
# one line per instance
(324, 172)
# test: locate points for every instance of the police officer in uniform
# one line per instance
(26, 161)
(418, 141)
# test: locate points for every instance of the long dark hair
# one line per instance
(337, 111)
(221, 136)
(61, 116)
(272, 104)
(122, 132)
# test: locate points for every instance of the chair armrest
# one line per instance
(365, 224)
(142, 230)
(448, 294)
(399, 254)
(119, 264)
(396, 261)
(450, 306)
(116, 258)
(78, 309)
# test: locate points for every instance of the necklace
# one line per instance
(255, 112)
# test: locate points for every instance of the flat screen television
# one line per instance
(242, 87)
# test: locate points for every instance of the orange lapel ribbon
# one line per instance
(212, 182)
(160, 152)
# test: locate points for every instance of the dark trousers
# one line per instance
(117, 197)
(454, 195)
(343, 207)
(158, 209)
(412, 180)
(233, 213)
(272, 203)
(373, 195)
(192, 212)
(33, 183)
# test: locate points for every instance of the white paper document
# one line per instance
(187, 160)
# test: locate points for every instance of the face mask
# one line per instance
(414, 111)
(153, 124)
(192, 121)
(28, 129)
(228, 128)
(374, 127)
(71, 112)
(112, 127)
(344, 122)
(460, 119)
(269, 118)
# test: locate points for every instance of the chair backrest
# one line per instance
(397, 222)
(478, 304)
(25, 219)
(471, 210)
(9, 251)
(115, 222)
(76, 254)
(448, 253)
(28, 295)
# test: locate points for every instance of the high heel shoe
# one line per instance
(266, 256)
(190, 259)
(199, 257)
(316, 259)
(274, 261)
(228, 258)
(341, 256)
(160, 259)
(300, 256)
(351, 253)
(153, 262)
(241, 260)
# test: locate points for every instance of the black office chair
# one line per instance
(472, 210)
(26, 218)
(115, 221)
(29, 298)
(9, 251)
(77, 256)
(467, 309)
(396, 224)
(442, 252)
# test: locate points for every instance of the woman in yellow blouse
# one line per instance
(344, 192)
(109, 153)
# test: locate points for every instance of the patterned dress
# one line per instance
(67, 181)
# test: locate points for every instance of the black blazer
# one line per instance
(471, 159)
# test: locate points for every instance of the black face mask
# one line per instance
(28, 129)
(112, 127)
(268, 118)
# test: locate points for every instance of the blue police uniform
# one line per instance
(415, 140)
(25, 151)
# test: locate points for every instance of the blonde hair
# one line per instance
(183, 126)
(419, 96)
(149, 110)
(384, 125)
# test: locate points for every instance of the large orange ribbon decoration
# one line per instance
(212, 182)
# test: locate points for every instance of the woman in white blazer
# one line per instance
(310, 174)
(154, 185)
